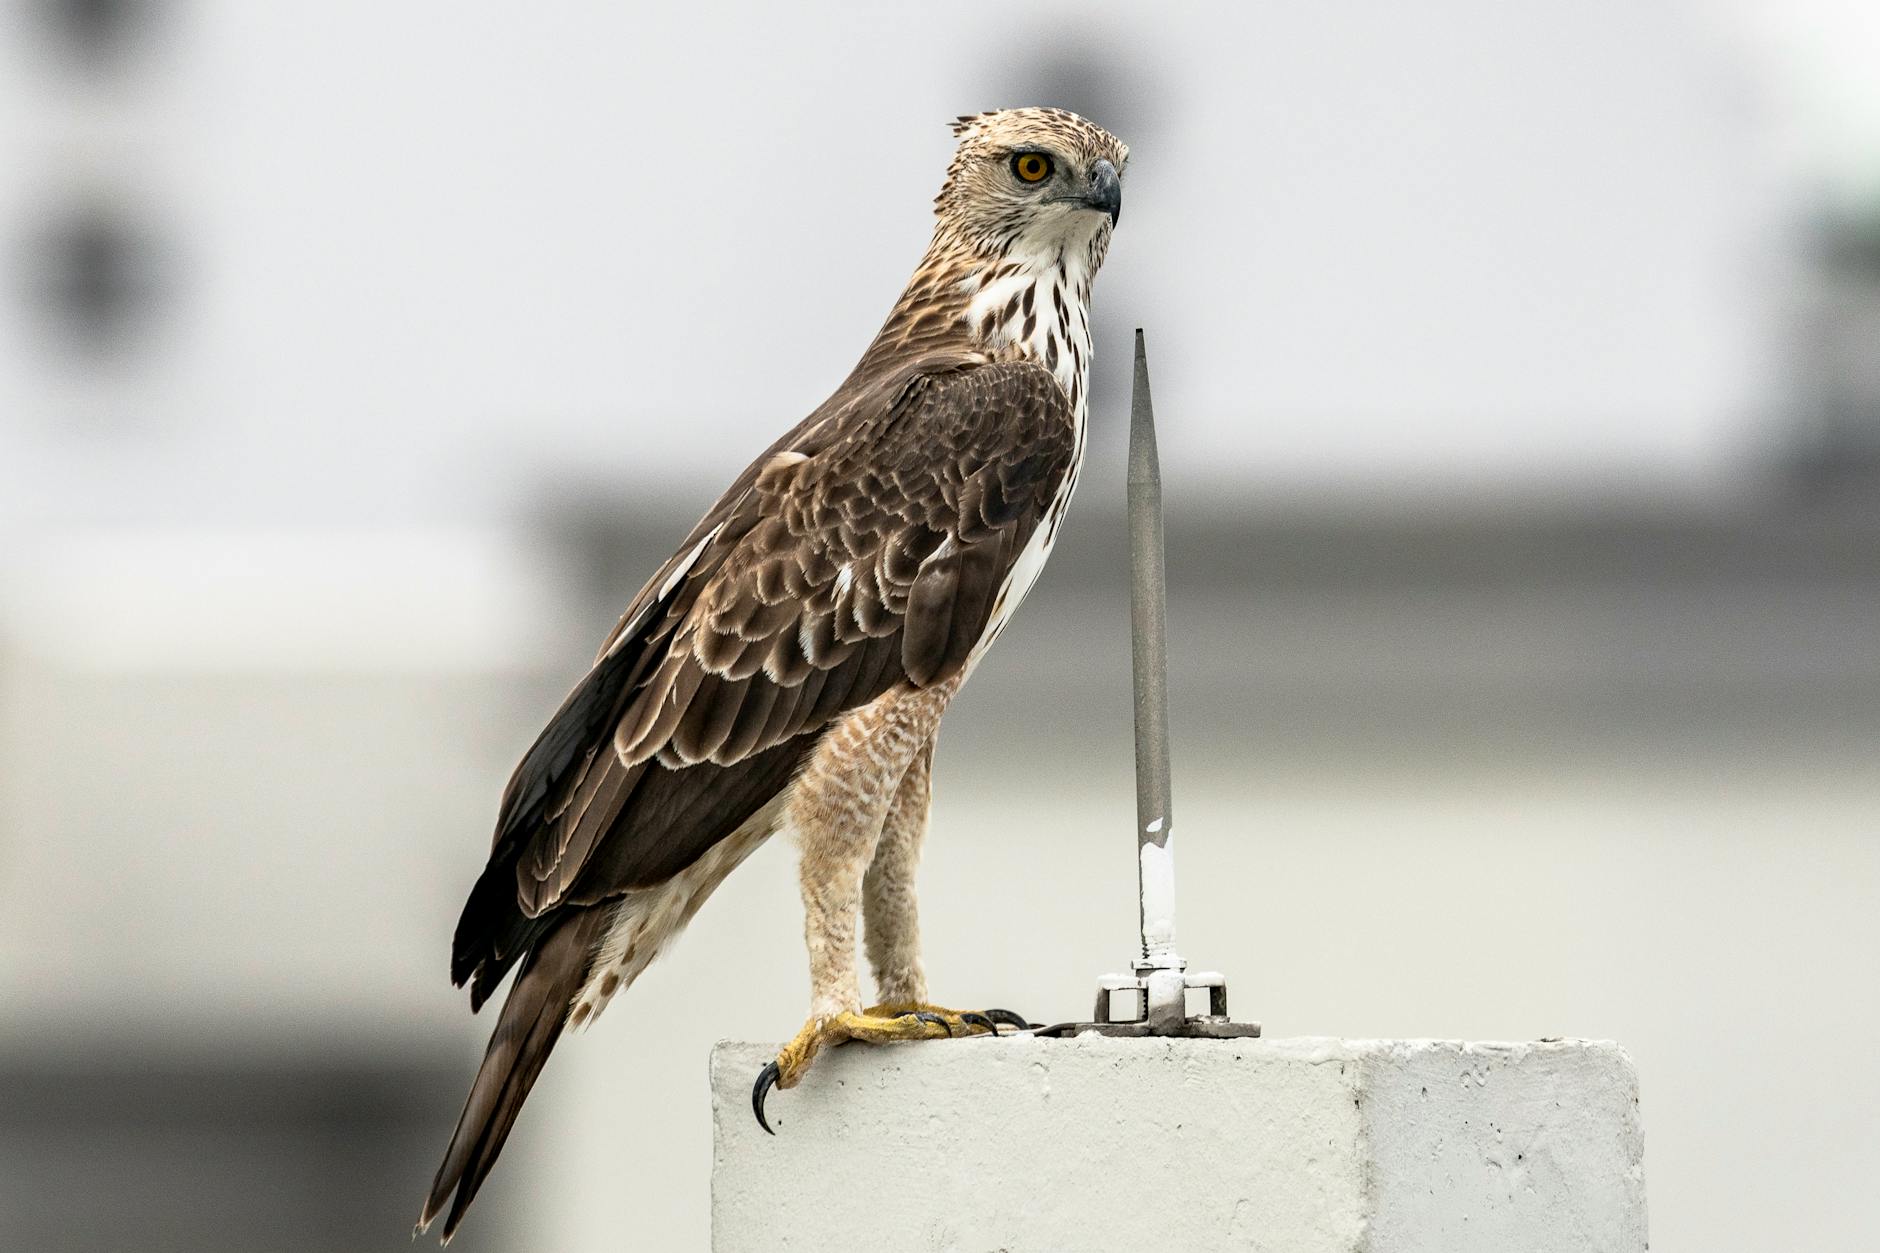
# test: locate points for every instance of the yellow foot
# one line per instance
(884, 1024)
(879, 1024)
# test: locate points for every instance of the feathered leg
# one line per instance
(837, 809)
(891, 911)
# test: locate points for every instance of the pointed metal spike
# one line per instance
(1159, 976)
(1149, 657)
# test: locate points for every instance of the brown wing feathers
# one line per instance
(873, 538)
(865, 549)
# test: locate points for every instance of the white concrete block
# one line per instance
(1022, 1145)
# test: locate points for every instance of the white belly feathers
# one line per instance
(1031, 558)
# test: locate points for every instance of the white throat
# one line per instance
(1035, 306)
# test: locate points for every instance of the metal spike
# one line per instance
(1159, 975)
(1148, 603)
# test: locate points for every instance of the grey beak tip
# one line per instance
(1106, 191)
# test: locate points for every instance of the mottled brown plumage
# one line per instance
(867, 557)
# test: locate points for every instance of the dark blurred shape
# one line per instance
(96, 278)
(1091, 74)
(1853, 247)
(98, 34)
(122, 1150)
(1839, 450)
(1084, 77)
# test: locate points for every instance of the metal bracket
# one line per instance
(1163, 1008)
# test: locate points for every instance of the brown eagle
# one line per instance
(787, 669)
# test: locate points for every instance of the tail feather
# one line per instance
(526, 1032)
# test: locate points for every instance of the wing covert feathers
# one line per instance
(902, 526)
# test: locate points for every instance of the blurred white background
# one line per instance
(1518, 370)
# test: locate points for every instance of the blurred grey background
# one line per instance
(1518, 369)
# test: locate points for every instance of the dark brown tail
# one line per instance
(531, 1022)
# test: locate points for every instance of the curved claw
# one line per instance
(921, 1015)
(766, 1080)
(1009, 1018)
(980, 1020)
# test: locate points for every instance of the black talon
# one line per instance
(923, 1016)
(766, 1080)
(1010, 1019)
(980, 1020)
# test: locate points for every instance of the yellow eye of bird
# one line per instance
(1031, 167)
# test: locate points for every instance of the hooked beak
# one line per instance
(1106, 191)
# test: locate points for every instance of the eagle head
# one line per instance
(1035, 178)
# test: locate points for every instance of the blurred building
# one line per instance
(1516, 375)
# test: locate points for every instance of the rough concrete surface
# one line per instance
(1022, 1145)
